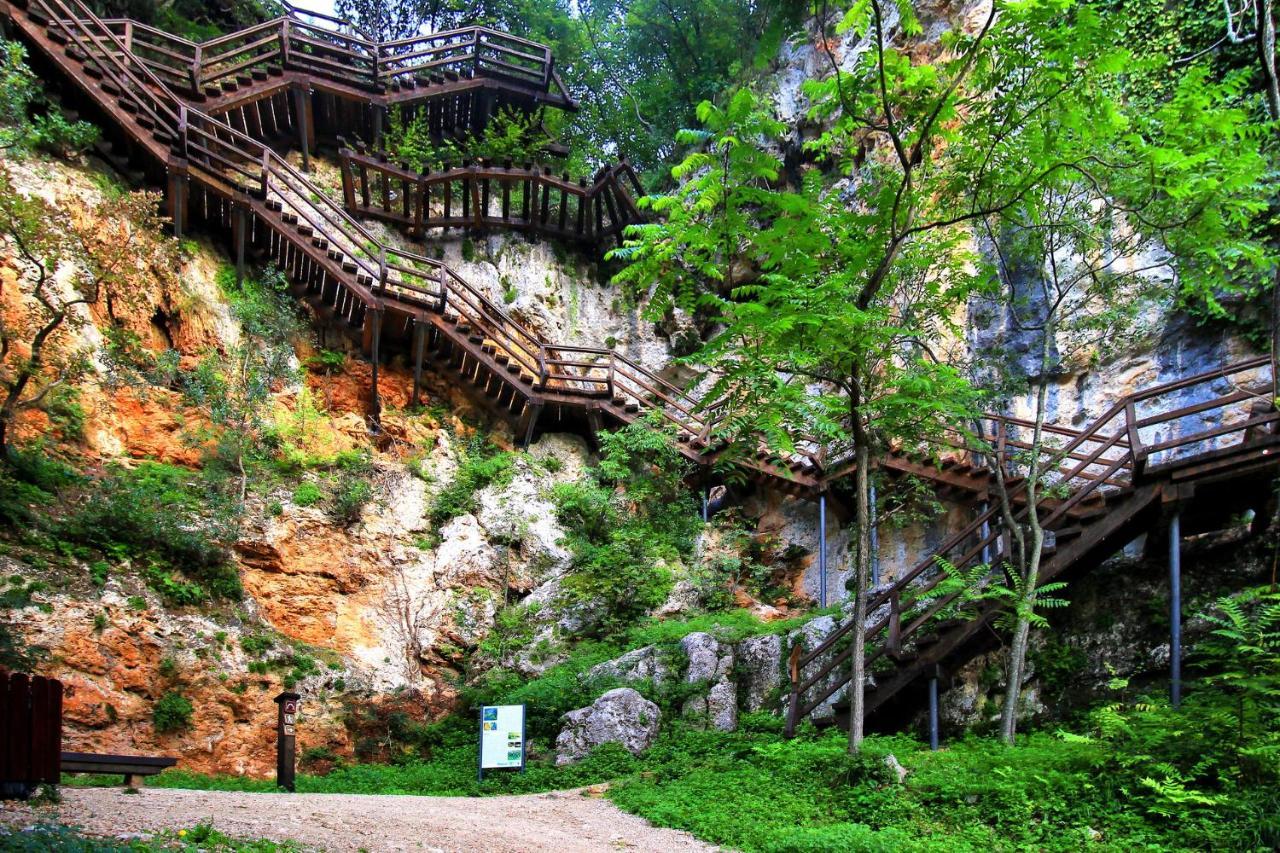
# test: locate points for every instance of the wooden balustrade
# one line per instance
(482, 195)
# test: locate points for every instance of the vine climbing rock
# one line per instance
(619, 716)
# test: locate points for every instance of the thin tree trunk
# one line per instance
(1031, 575)
(862, 573)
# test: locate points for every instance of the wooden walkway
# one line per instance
(1150, 448)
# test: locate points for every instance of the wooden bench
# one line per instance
(132, 767)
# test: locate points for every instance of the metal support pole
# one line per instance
(1175, 610)
(933, 713)
(986, 533)
(706, 505)
(822, 550)
(875, 541)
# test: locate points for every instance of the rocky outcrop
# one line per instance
(760, 665)
(643, 664)
(620, 716)
(711, 664)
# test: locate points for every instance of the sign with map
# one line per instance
(501, 737)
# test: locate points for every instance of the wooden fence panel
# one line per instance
(31, 739)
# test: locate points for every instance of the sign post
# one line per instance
(286, 723)
(501, 738)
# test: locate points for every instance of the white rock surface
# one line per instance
(619, 716)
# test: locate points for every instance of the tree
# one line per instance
(71, 267)
(841, 332)
(1161, 205)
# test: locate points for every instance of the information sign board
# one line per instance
(501, 737)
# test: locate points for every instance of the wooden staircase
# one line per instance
(527, 198)
(1216, 457)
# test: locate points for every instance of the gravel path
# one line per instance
(561, 821)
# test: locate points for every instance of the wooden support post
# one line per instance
(177, 201)
(793, 703)
(531, 414)
(302, 120)
(240, 227)
(378, 112)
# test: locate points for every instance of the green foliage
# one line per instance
(480, 464)
(172, 712)
(235, 386)
(170, 520)
(307, 494)
(16, 594)
(28, 121)
(627, 524)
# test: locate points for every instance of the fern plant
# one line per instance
(982, 583)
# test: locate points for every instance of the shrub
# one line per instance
(621, 540)
(481, 465)
(350, 498)
(307, 494)
(172, 712)
(167, 516)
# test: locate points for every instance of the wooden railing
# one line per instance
(319, 45)
(486, 195)
(1114, 452)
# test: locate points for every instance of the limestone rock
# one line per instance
(643, 664)
(760, 661)
(619, 716)
(711, 662)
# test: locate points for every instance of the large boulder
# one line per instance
(619, 716)
(711, 663)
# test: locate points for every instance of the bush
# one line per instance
(27, 119)
(172, 712)
(307, 494)
(480, 465)
(621, 540)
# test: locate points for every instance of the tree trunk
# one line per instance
(862, 573)
(1025, 604)
(6, 452)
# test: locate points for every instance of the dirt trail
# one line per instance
(561, 821)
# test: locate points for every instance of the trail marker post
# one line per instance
(286, 749)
